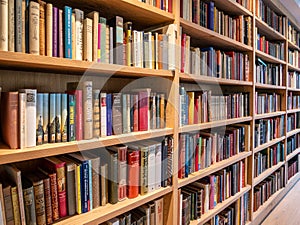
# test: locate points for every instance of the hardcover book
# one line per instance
(68, 31)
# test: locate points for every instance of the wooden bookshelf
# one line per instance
(269, 86)
(202, 126)
(268, 115)
(293, 89)
(269, 32)
(268, 144)
(293, 68)
(268, 58)
(292, 111)
(291, 133)
(292, 154)
(212, 169)
(292, 45)
(267, 173)
(233, 7)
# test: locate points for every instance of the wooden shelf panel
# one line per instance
(202, 126)
(212, 80)
(30, 62)
(212, 169)
(15, 155)
(291, 45)
(269, 86)
(293, 111)
(104, 213)
(235, 8)
(266, 173)
(202, 36)
(268, 58)
(293, 89)
(293, 180)
(268, 115)
(293, 68)
(292, 154)
(220, 207)
(291, 133)
(269, 32)
(268, 144)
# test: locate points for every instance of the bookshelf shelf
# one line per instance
(212, 80)
(14, 155)
(104, 213)
(292, 154)
(202, 126)
(293, 68)
(202, 36)
(235, 8)
(293, 180)
(268, 58)
(31, 62)
(268, 115)
(266, 173)
(291, 133)
(269, 32)
(205, 217)
(291, 45)
(268, 144)
(293, 89)
(293, 111)
(269, 86)
(212, 169)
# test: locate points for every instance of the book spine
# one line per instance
(78, 188)
(47, 194)
(102, 39)
(151, 168)
(88, 39)
(118, 40)
(15, 205)
(71, 117)
(18, 25)
(96, 182)
(79, 33)
(60, 44)
(87, 94)
(128, 42)
(117, 114)
(45, 118)
(29, 205)
(85, 187)
(73, 36)
(39, 119)
(4, 25)
(124, 114)
(143, 111)
(54, 196)
(109, 114)
(122, 173)
(34, 36)
(95, 20)
(49, 29)
(52, 122)
(79, 115)
(57, 119)
(90, 193)
(55, 32)
(133, 174)
(64, 117)
(68, 31)
(42, 24)
(61, 191)
(144, 171)
(11, 25)
(22, 119)
(104, 184)
(38, 189)
(96, 113)
(70, 178)
(24, 31)
(103, 113)
(113, 179)
(158, 166)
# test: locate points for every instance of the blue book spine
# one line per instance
(68, 32)
(84, 186)
(211, 23)
(71, 129)
(109, 114)
(58, 118)
(45, 118)
(90, 186)
(39, 119)
(64, 117)
(52, 112)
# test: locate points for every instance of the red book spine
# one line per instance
(170, 6)
(183, 40)
(135, 113)
(133, 174)
(143, 110)
(122, 186)
(197, 153)
(211, 191)
(196, 109)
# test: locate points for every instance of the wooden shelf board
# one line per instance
(15, 155)
(268, 58)
(293, 89)
(212, 80)
(291, 45)
(269, 86)
(268, 144)
(104, 213)
(293, 110)
(202, 36)
(202, 126)
(293, 68)
(269, 32)
(266, 173)
(30, 62)
(220, 207)
(268, 115)
(212, 169)
(264, 210)
(292, 154)
(291, 133)
(233, 7)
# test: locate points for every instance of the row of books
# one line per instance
(70, 33)
(60, 186)
(166, 5)
(266, 130)
(267, 73)
(294, 58)
(293, 121)
(82, 113)
(293, 35)
(293, 79)
(270, 17)
(293, 101)
(204, 106)
(213, 63)
(275, 49)
(246, 4)
(198, 151)
(292, 143)
(267, 158)
(236, 214)
(147, 214)
(293, 167)
(199, 197)
(267, 102)
(264, 190)
(208, 15)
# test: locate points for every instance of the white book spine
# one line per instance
(87, 94)
(49, 28)
(151, 168)
(30, 139)
(103, 114)
(11, 25)
(79, 33)
(4, 25)
(134, 48)
(88, 39)
(128, 112)
(141, 49)
(22, 118)
(34, 28)
(95, 20)
(158, 166)
(150, 50)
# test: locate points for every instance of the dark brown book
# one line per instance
(29, 202)
(3, 218)
(10, 119)
(8, 203)
(15, 203)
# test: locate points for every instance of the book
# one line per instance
(39, 119)
(19, 23)
(34, 36)
(64, 117)
(117, 24)
(102, 38)
(68, 32)
(11, 25)
(94, 16)
(143, 108)
(103, 113)
(109, 115)
(96, 113)
(4, 26)
(60, 47)
(2, 213)
(87, 103)
(71, 117)
(57, 117)
(133, 159)
(79, 15)
(117, 113)
(88, 39)
(45, 118)
(104, 184)
(52, 117)
(49, 29)
(29, 200)
(128, 42)
(8, 204)
(55, 31)
(159, 209)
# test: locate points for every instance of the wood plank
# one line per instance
(292, 45)
(268, 115)
(292, 154)
(291, 133)
(293, 89)
(293, 111)
(269, 86)
(267, 173)
(202, 126)
(268, 58)
(232, 7)
(268, 144)
(293, 68)
(13, 155)
(270, 33)
(212, 169)
(104, 213)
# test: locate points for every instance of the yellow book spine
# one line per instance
(78, 189)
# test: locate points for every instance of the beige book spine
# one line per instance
(42, 27)
(23, 25)
(11, 25)
(4, 25)
(95, 20)
(87, 39)
(16, 206)
(49, 28)
(34, 28)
